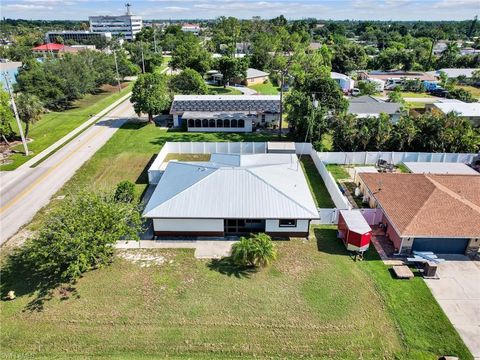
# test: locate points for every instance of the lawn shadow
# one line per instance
(143, 177)
(226, 266)
(20, 275)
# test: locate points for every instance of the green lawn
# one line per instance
(402, 168)
(338, 172)
(314, 302)
(474, 90)
(187, 157)
(408, 94)
(315, 182)
(54, 125)
(220, 90)
(266, 89)
(415, 105)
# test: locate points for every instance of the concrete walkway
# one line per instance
(244, 90)
(204, 249)
(458, 292)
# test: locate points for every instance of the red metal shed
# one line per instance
(354, 230)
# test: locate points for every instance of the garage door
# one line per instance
(441, 246)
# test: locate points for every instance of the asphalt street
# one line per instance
(23, 192)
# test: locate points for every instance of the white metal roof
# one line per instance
(225, 97)
(355, 221)
(335, 75)
(256, 186)
(460, 108)
(440, 168)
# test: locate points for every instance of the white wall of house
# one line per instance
(183, 225)
(176, 123)
(246, 128)
(272, 225)
(268, 119)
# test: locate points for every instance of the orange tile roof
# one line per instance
(426, 205)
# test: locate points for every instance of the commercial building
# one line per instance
(77, 36)
(125, 26)
(225, 113)
(427, 212)
(233, 194)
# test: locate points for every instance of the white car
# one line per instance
(355, 92)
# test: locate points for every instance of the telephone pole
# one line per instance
(14, 106)
(116, 67)
(143, 61)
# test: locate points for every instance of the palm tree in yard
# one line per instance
(30, 109)
(258, 250)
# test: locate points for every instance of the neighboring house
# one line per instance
(440, 168)
(225, 113)
(243, 48)
(368, 106)
(314, 46)
(346, 83)
(55, 49)
(453, 73)
(255, 76)
(471, 111)
(233, 194)
(469, 51)
(426, 212)
(395, 77)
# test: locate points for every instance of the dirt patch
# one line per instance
(113, 88)
(17, 240)
(142, 257)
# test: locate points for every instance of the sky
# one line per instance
(209, 9)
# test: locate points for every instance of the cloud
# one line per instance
(26, 7)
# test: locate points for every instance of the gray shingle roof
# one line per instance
(374, 108)
(218, 103)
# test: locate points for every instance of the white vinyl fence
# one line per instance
(367, 157)
(330, 216)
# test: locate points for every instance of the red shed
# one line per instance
(354, 230)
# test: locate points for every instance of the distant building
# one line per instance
(59, 49)
(395, 77)
(255, 76)
(368, 106)
(346, 83)
(78, 36)
(453, 73)
(10, 68)
(225, 113)
(191, 28)
(126, 26)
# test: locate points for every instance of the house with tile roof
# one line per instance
(427, 212)
(233, 194)
(225, 113)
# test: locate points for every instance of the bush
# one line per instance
(125, 192)
(462, 95)
(80, 235)
(367, 87)
(258, 250)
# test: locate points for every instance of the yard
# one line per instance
(220, 90)
(315, 183)
(54, 125)
(474, 90)
(314, 301)
(266, 89)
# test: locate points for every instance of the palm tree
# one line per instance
(30, 109)
(258, 250)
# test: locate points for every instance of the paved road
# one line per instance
(23, 192)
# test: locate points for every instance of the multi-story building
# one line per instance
(125, 26)
(78, 36)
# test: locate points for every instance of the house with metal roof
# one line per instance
(427, 212)
(225, 113)
(368, 106)
(233, 194)
(453, 73)
(471, 111)
(255, 76)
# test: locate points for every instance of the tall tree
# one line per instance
(348, 57)
(30, 109)
(190, 54)
(6, 117)
(188, 82)
(232, 68)
(150, 95)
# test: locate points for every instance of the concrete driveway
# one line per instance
(458, 293)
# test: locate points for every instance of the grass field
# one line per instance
(54, 125)
(220, 90)
(338, 172)
(474, 90)
(266, 89)
(315, 183)
(314, 302)
(408, 94)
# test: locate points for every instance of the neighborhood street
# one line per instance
(26, 190)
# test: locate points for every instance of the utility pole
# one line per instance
(14, 106)
(282, 80)
(143, 61)
(155, 39)
(116, 67)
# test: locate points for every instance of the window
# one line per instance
(198, 123)
(241, 123)
(211, 123)
(234, 123)
(226, 123)
(263, 118)
(205, 123)
(287, 223)
(191, 123)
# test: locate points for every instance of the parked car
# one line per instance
(355, 92)
(439, 92)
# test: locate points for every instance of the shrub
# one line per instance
(462, 95)
(125, 191)
(80, 234)
(258, 250)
